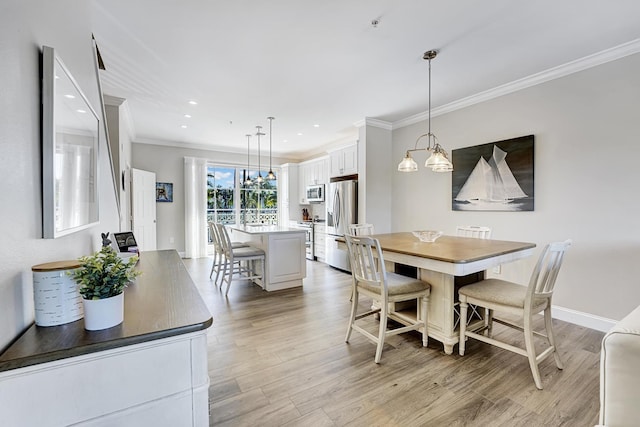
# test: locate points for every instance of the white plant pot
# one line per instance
(103, 313)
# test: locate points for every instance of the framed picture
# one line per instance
(164, 192)
(124, 242)
(497, 176)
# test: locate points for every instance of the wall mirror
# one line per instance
(69, 152)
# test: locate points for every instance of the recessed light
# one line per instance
(183, 126)
(193, 103)
(316, 126)
(284, 140)
(81, 111)
(188, 116)
(69, 96)
(299, 134)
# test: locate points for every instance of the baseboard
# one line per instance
(587, 320)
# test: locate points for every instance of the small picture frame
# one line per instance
(164, 192)
(124, 242)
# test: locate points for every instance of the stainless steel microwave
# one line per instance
(315, 193)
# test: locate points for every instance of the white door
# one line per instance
(143, 208)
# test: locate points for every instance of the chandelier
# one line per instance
(439, 160)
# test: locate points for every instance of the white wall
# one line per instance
(586, 129)
(168, 164)
(24, 28)
(120, 140)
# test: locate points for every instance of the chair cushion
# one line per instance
(238, 245)
(247, 251)
(499, 292)
(398, 285)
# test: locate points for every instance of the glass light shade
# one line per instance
(259, 179)
(407, 164)
(271, 176)
(443, 168)
(436, 159)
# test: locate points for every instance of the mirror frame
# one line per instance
(70, 201)
(114, 176)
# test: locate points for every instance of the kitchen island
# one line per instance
(149, 370)
(284, 247)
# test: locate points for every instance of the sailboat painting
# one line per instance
(494, 177)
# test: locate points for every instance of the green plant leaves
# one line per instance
(104, 274)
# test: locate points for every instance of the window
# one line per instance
(221, 189)
(225, 187)
(259, 204)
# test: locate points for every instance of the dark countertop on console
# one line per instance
(162, 302)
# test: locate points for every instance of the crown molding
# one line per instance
(563, 70)
(370, 121)
(122, 103)
(190, 145)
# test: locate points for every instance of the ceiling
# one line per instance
(325, 63)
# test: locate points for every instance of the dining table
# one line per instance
(446, 264)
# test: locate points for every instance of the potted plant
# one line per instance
(102, 278)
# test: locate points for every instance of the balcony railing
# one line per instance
(248, 216)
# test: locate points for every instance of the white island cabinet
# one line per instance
(284, 249)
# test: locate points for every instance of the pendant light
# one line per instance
(247, 181)
(439, 160)
(270, 176)
(259, 179)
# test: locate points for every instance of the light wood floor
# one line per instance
(279, 359)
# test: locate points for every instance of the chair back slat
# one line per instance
(213, 230)
(473, 231)
(543, 278)
(223, 237)
(364, 265)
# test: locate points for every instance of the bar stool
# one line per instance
(249, 254)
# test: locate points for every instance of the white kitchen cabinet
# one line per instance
(302, 183)
(284, 247)
(319, 241)
(311, 172)
(344, 161)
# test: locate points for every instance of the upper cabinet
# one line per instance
(311, 172)
(344, 161)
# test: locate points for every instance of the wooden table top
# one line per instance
(453, 249)
(162, 302)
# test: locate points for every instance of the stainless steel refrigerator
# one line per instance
(342, 210)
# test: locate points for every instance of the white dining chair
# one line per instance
(473, 231)
(247, 254)
(522, 301)
(476, 232)
(370, 279)
(361, 229)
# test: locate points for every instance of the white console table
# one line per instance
(149, 370)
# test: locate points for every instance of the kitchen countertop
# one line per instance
(162, 302)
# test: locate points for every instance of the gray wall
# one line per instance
(168, 165)
(586, 129)
(24, 28)
(374, 177)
